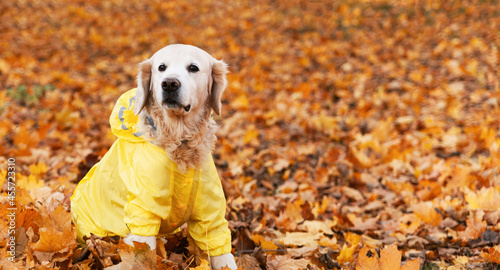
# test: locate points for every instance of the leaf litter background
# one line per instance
(354, 134)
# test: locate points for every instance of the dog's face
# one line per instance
(181, 79)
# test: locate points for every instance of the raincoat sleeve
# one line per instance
(208, 226)
(149, 192)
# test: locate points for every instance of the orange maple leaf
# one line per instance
(390, 259)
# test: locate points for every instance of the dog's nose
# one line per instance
(170, 84)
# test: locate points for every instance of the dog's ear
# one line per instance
(143, 91)
(219, 71)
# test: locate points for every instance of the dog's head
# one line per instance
(181, 79)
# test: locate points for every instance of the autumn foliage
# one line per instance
(354, 134)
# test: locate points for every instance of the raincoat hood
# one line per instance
(136, 188)
(123, 120)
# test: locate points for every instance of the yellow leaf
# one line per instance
(38, 169)
(203, 266)
(346, 254)
(261, 240)
(250, 135)
(241, 102)
(3, 176)
(352, 238)
(485, 199)
(301, 239)
(360, 158)
(460, 260)
(409, 223)
(30, 183)
(426, 212)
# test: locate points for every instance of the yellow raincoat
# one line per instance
(137, 189)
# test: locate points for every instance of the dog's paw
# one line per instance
(150, 240)
(219, 262)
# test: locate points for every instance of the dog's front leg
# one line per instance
(150, 240)
(219, 262)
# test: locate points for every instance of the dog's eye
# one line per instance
(193, 68)
(162, 67)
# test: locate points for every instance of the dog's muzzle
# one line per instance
(170, 87)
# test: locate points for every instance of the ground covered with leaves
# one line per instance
(354, 134)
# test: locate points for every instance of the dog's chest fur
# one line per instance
(187, 141)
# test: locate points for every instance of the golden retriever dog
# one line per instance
(179, 99)
(159, 174)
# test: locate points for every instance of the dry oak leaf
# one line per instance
(390, 259)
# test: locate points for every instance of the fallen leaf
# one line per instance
(286, 263)
(302, 252)
(292, 239)
(475, 225)
(368, 260)
(262, 242)
(492, 254)
(247, 262)
(484, 199)
(346, 254)
(390, 258)
(140, 256)
(425, 211)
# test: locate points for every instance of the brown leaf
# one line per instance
(134, 258)
(286, 263)
(247, 262)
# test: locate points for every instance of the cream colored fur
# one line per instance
(187, 140)
(188, 137)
